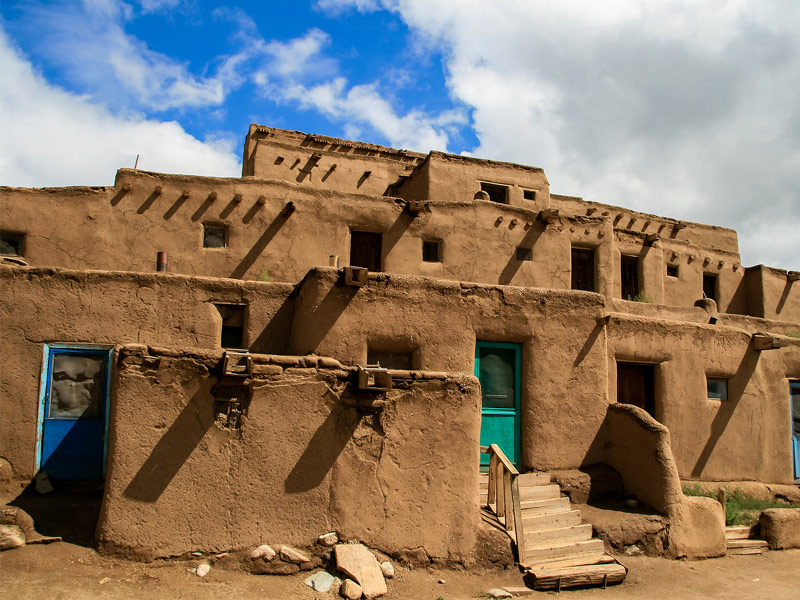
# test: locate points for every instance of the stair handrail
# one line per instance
(503, 491)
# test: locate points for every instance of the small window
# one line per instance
(524, 253)
(497, 193)
(233, 317)
(717, 388)
(672, 270)
(710, 286)
(529, 194)
(391, 359)
(431, 251)
(583, 269)
(629, 277)
(215, 236)
(12, 244)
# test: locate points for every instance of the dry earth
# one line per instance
(66, 571)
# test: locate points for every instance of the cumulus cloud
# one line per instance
(682, 109)
(299, 73)
(53, 138)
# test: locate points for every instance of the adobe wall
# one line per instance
(746, 436)
(57, 306)
(304, 462)
(777, 296)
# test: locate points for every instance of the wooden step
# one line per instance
(536, 478)
(544, 507)
(553, 537)
(587, 549)
(747, 546)
(742, 532)
(550, 578)
(552, 521)
(539, 492)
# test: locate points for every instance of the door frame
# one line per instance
(793, 384)
(48, 350)
(517, 348)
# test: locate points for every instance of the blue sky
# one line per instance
(677, 108)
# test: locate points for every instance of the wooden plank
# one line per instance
(742, 532)
(518, 526)
(500, 489)
(539, 492)
(746, 544)
(491, 490)
(508, 511)
(733, 551)
(535, 478)
(544, 507)
(503, 459)
(546, 578)
(552, 521)
(551, 552)
(561, 535)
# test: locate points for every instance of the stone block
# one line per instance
(359, 563)
(350, 590)
(780, 527)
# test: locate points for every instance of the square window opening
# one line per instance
(529, 194)
(497, 193)
(233, 320)
(717, 388)
(672, 270)
(12, 243)
(431, 251)
(215, 236)
(583, 269)
(525, 254)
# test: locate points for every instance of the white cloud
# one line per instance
(336, 7)
(680, 108)
(54, 138)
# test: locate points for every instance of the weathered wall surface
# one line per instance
(746, 436)
(47, 305)
(303, 463)
(777, 296)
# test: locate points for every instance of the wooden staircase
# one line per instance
(555, 548)
(743, 539)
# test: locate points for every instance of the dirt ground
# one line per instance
(67, 571)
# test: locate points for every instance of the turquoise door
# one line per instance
(794, 387)
(498, 367)
(73, 412)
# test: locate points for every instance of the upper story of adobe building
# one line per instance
(307, 200)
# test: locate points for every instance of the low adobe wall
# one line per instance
(638, 447)
(780, 527)
(304, 462)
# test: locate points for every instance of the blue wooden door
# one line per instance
(73, 412)
(794, 388)
(498, 367)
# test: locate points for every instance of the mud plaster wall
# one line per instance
(746, 436)
(563, 347)
(303, 463)
(45, 306)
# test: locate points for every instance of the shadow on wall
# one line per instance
(737, 385)
(274, 338)
(784, 295)
(513, 264)
(317, 323)
(323, 450)
(392, 235)
(261, 244)
(174, 447)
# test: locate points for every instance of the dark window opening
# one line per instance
(635, 385)
(233, 317)
(12, 244)
(365, 250)
(215, 236)
(794, 388)
(524, 253)
(717, 387)
(431, 251)
(497, 193)
(672, 270)
(390, 359)
(629, 277)
(529, 194)
(710, 286)
(583, 269)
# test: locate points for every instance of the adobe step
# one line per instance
(539, 492)
(551, 521)
(556, 578)
(544, 507)
(554, 537)
(587, 550)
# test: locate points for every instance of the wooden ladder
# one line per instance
(555, 547)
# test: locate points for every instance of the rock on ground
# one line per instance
(351, 590)
(359, 563)
(328, 539)
(11, 536)
(264, 551)
(321, 581)
(293, 556)
(498, 593)
(387, 568)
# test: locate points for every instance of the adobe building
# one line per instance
(330, 341)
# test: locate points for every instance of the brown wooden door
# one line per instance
(635, 386)
(365, 250)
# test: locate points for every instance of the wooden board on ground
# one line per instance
(546, 578)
